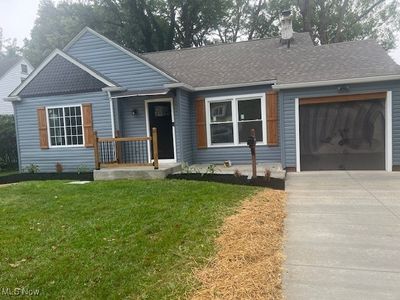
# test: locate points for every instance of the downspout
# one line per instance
(112, 114)
(17, 138)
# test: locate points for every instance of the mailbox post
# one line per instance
(251, 142)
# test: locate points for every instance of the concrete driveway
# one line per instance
(343, 236)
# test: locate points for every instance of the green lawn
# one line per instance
(121, 239)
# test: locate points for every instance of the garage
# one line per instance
(342, 132)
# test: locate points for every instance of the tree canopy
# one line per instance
(153, 25)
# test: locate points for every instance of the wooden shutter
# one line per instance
(201, 129)
(272, 118)
(88, 124)
(42, 124)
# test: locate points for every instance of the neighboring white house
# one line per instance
(12, 72)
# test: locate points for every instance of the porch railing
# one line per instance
(126, 151)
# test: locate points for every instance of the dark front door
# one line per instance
(343, 136)
(160, 117)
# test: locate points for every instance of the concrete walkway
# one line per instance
(343, 236)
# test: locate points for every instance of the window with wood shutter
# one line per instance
(272, 118)
(201, 129)
(88, 124)
(42, 124)
(65, 126)
(230, 120)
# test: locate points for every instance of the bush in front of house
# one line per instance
(8, 143)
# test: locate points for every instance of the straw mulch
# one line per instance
(248, 263)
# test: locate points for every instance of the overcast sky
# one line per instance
(18, 16)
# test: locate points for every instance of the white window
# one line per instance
(230, 120)
(65, 126)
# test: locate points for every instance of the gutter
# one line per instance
(113, 89)
(190, 88)
(12, 99)
(285, 86)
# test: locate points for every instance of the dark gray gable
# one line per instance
(59, 77)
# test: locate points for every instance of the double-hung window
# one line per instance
(65, 126)
(231, 119)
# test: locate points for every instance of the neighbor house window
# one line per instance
(24, 69)
(231, 119)
(65, 126)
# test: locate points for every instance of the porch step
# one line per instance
(136, 172)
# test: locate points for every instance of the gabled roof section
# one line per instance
(61, 74)
(263, 60)
(7, 63)
(129, 52)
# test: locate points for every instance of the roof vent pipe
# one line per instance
(286, 27)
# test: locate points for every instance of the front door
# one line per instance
(160, 117)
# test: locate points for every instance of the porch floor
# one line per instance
(140, 172)
(246, 170)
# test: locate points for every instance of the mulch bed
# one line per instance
(274, 183)
(13, 178)
(248, 263)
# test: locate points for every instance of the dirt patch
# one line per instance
(249, 259)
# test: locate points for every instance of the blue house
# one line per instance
(312, 107)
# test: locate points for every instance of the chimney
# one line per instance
(286, 27)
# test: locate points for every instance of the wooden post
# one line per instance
(96, 151)
(253, 154)
(155, 147)
(118, 148)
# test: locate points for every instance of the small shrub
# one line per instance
(237, 173)
(82, 169)
(187, 169)
(267, 174)
(32, 168)
(59, 168)
(210, 169)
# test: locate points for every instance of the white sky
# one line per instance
(18, 16)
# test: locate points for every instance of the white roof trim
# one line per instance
(12, 99)
(45, 63)
(335, 82)
(87, 29)
(217, 87)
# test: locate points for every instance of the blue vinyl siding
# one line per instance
(237, 154)
(184, 122)
(287, 105)
(70, 158)
(135, 126)
(115, 64)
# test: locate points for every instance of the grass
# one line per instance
(122, 239)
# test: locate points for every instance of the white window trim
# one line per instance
(65, 130)
(235, 120)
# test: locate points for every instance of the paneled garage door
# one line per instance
(342, 135)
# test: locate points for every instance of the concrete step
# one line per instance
(136, 172)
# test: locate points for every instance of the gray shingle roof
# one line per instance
(60, 76)
(7, 63)
(266, 59)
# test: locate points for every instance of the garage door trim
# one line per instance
(367, 96)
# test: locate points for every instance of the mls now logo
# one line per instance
(19, 292)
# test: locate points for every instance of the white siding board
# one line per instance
(8, 83)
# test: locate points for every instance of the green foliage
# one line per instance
(153, 25)
(111, 240)
(32, 168)
(8, 143)
(82, 169)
